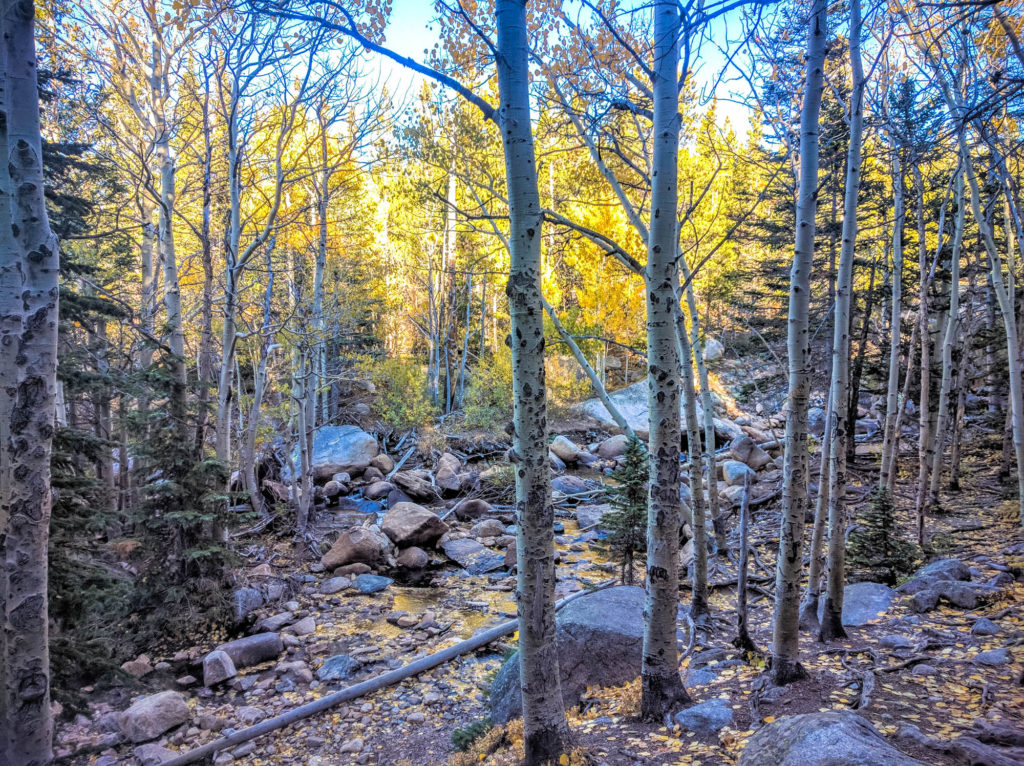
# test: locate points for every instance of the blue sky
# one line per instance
(410, 32)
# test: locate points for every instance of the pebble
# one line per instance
(984, 627)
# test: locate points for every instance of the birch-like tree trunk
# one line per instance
(809, 605)
(893, 403)
(662, 688)
(546, 731)
(948, 344)
(831, 626)
(925, 447)
(786, 665)
(28, 384)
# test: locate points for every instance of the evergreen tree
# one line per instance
(874, 550)
(627, 538)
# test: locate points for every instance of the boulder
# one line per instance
(747, 452)
(152, 754)
(415, 486)
(928, 576)
(333, 489)
(965, 595)
(1001, 656)
(556, 463)
(833, 738)
(368, 584)
(337, 449)
(334, 585)
(446, 475)
(863, 603)
(306, 625)
(472, 556)
(706, 718)
(383, 463)
(471, 509)
(337, 668)
(613, 447)
(372, 475)
(568, 485)
(734, 472)
(139, 667)
(362, 545)
(217, 667)
(378, 490)
(599, 640)
(590, 515)
(984, 627)
(487, 528)
(631, 402)
(565, 449)
(713, 350)
(151, 716)
(413, 558)
(726, 431)
(816, 418)
(245, 601)
(409, 524)
(252, 650)
(924, 601)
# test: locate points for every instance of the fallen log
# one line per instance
(369, 686)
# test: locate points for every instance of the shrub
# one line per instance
(488, 399)
(402, 400)
(462, 739)
(627, 523)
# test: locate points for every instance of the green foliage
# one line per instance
(462, 739)
(627, 523)
(402, 400)
(499, 485)
(874, 550)
(488, 400)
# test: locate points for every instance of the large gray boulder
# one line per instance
(863, 603)
(928, 577)
(834, 738)
(409, 524)
(338, 449)
(600, 643)
(631, 402)
(362, 545)
(252, 650)
(472, 556)
(706, 718)
(151, 716)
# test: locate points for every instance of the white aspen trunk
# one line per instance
(786, 665)
(831, 626)
(809, 605)
(147, 314)
(546, 730)
(320, 342)
(948, 344)
(661, 687)
(925, 445)
(893, 404)
(28, 379)
(699, 568)
(204, 365)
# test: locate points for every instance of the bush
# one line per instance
(488, 399)
(874, 550)
(402, 400)
(462, 739)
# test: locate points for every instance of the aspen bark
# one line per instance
(832, 619)
(948, 344)
(925, 446)
(893, 403)
(661, 687)
(28, 382)
(786, 665)
(546, 730)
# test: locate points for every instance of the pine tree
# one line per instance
(874, 550)
(627, 538)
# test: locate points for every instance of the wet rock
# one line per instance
(378, 490)
(408, 524)
(613, 447)
(734, 472)
(151, 755)
(151, 716)
(471, 509)
(863, 603)
(368, 584)
(337, 668)
(833, 738)
(706, 718)
(363, 545)
(984, 627)
(565, 449)
(472, 556)
(217, 667)
(994, 657)
(335, 585)
(590, 515)
(252, 650)
(600, 640)
(487, 528)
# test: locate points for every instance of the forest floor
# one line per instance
(929, 679)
